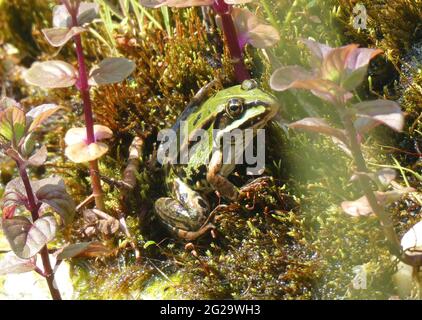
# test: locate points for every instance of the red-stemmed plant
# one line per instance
(28, 235)
(239, 26)
(83, 144)
(336, 73)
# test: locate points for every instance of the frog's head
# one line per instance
(245, 106)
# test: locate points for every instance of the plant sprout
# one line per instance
(82, 143)
(336, 73)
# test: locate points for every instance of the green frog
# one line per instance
(186, 212)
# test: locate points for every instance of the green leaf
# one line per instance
(25, 238)
(149, 243)
(11, 263)
(111, 70)
(354, 78)
(12, 124)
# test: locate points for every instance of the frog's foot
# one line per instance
(193, 235)
(206, 227)
(254, 186)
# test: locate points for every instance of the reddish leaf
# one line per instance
(319, 51)
(38, 158)
(52, 191)
(72, 250)
(319, 125)
(38, 115)
(51, 74)
(382, 111)
(14, 196)
(361, 207)
(25, 238)
(334, 64)
(250, 29)
(360, 57)
(294, 77)
(87, 12)
(58, 37)
(11, 263)
(185, 3)
(111, 70)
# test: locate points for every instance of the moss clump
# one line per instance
(392, 25)
(17, 21)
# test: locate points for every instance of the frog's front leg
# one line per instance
(186, 213)
(217, 179)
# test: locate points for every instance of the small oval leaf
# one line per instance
(52, 191)
(25, 238)
(11, 263)
(12, 124)
(111, 70)
(58, 37)
(38, 158)
(383, 111)
(38, 115)
(72, 250)
(51, 74)
(82, 152)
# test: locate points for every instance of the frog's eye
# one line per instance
(234, 107)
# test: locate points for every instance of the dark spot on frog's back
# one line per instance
(202, 171)
(202, 203)
(198, 117)
(183, 197)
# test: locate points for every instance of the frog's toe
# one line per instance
(255, 184)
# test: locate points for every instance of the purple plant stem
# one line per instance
(224, 11)
(83, 87)
(383, 217)
(33, 208)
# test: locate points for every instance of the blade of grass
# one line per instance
(149, 15)
(106, 17)
(139, 16)
(166, 16)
